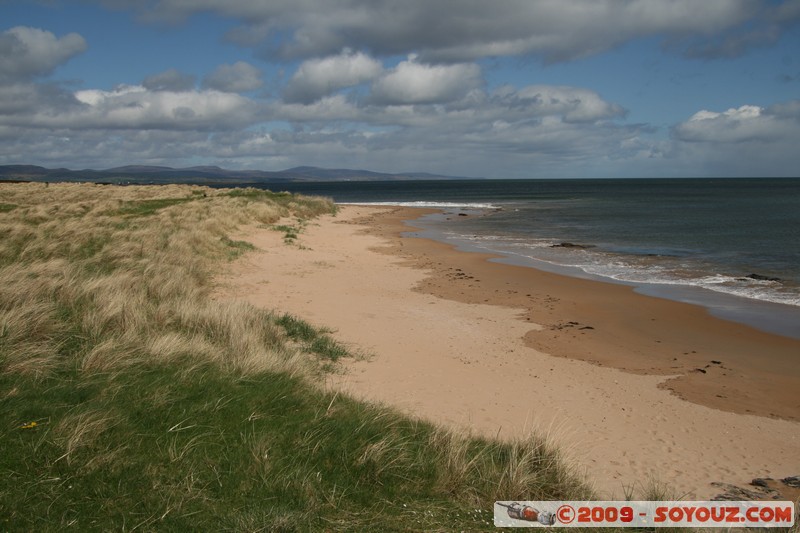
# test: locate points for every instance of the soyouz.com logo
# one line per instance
(644, 514)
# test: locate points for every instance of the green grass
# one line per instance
(157, 446)
(290, 233)
(259, 194)
(315, 340)
(5, 208)
(132, 400)
(236, 248)
(176, 450)
(281, 198)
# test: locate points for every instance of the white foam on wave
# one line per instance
(432, 205)
(623, 271)
(618, 269)
(503, 240)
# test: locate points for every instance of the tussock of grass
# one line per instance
(314, 340)
(236, 248)
(156, 407)
(290, 231)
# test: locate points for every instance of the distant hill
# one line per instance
(202, 175)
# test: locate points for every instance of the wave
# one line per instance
(767, 291)
(632, 270)
(432, 205)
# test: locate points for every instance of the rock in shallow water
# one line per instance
(760, 277)
(571, 245)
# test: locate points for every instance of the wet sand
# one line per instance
(631, 386)
(715, 362)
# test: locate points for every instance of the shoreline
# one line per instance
(464, 342)
(644, 342)
(769, 316)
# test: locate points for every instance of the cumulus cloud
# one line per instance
(519, 127)
(416, 83)
(458, 30)
(745, 141)
(170, 80)
(128, 107)
(102, 148)
(136, 107)
(495, 134)
(316, 78)
(26, 53)
(573, 104)
(20, 100)
(237, 78)
(744, 124)
(327, 109)
(436, 113)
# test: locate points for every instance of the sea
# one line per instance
(730, 245)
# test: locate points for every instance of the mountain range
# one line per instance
(202, 175)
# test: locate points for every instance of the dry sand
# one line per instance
(464, 342)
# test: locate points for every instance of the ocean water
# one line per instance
(697, 240)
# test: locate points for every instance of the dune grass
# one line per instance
(131, 400)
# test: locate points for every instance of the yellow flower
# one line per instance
(29, 425)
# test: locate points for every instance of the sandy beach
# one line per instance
(631, 387)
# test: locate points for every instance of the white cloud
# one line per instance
(21, 100)
(326, 109)
(316, 78)
(103, 148)
(497, 134)
(26, 53)
(437, 114)
(744, 124)
(745, 141)
(572, 104)
(135, 107)
(170, 80)
(478, 134)
(416, 83)
(237, 78)
(525, 132)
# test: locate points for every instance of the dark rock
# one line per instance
(570, 245)
(733, 493)
(703, 370)
(792, 481)
(716, 362)
(759, 277)
(764, 488)
(463, 215)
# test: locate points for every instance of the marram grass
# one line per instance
(131, 400)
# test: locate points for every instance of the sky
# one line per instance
(475, 88)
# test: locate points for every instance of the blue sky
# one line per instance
(513, 88)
